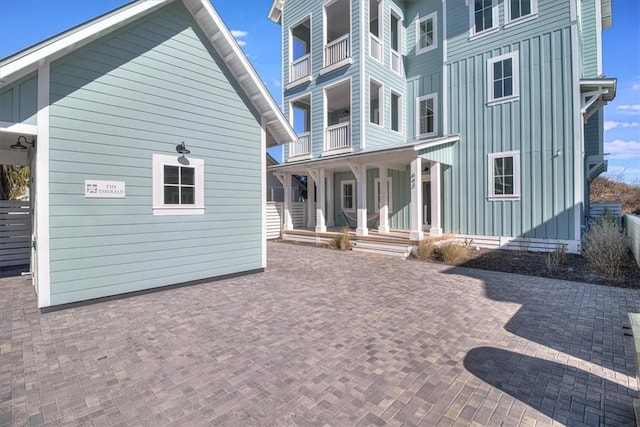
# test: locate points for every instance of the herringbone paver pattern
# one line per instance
(325, 338)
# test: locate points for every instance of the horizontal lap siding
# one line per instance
(589, 32)
(117, 101)
(538, 125)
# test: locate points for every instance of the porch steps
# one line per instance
(402, 250)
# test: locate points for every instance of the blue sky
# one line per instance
(29, 21)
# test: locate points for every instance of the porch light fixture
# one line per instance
(182, 149)
(18, 145)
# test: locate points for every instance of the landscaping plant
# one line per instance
(426, 249)
(605, 245)
(453, 253)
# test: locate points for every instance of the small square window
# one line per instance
(178, 185)
(426, 33)
(503, 77)
(504, 176)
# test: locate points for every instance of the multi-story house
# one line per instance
(477, 118)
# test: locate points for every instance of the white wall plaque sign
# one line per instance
(103, 189)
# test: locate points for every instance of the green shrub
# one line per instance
(453, 253)
(605, 245)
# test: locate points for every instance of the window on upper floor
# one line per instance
(375, 29)
(300, 50)
(377, 193)
(426, 115)
(503, 78)
(483, 16)
(336, 35)
(347, 196)
(375, 102)
(395, 31)
(504, 175)
(520, 9)
(427, 33)
(396, 112)
(178, 185)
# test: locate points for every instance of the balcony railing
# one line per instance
(337, 50)
(300, 68)
(375, 47)
(396, 62)
(301, 147)
(338, 137)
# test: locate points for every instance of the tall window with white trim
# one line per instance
(377, 192)
(426, 115)
(375, 102)
(426, 33)
(503, 72)
(504, 175)
(347, 196)
(396, 112)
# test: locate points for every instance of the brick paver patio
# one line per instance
(325, 338)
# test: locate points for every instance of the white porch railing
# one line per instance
(302, 146)
(396, 62)
(337, 137)
(300, 68)
(375, 47)
(337, 50)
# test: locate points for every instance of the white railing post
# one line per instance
(301, 147)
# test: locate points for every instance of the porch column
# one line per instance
(311, 196)
(360, 172)
(416, 232)
(383, 226)
(330, 198)
(436, 200)
(321, 227)
(285, 179)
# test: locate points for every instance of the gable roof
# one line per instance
(279, 131)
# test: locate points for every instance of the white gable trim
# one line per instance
(209, 22)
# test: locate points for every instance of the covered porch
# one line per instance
(390, 193)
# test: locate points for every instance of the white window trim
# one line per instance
(434, 17)
(159, 208)
(309, 78)
(472, 21)
(380, 37)
(400, 111)
(351, 182)
(380, 102)
(433, 96)
(507, 14)
(376, 185)
(291, 121)
(516, 176)
(516, 78)
(400, 32)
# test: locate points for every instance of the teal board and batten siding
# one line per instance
(589, 38)
(593, 134)
(539, 125)
(293, 13)
(19, 101)
(115, 102)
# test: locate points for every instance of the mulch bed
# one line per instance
(576, 267)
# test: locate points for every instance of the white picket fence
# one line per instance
(15, 233)
(275, 217)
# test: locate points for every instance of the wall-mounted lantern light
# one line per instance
(18, 145)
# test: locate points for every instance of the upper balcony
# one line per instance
(300, 118)
(300, 54)
(337, 36)
(375, 30)
(337, 132)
